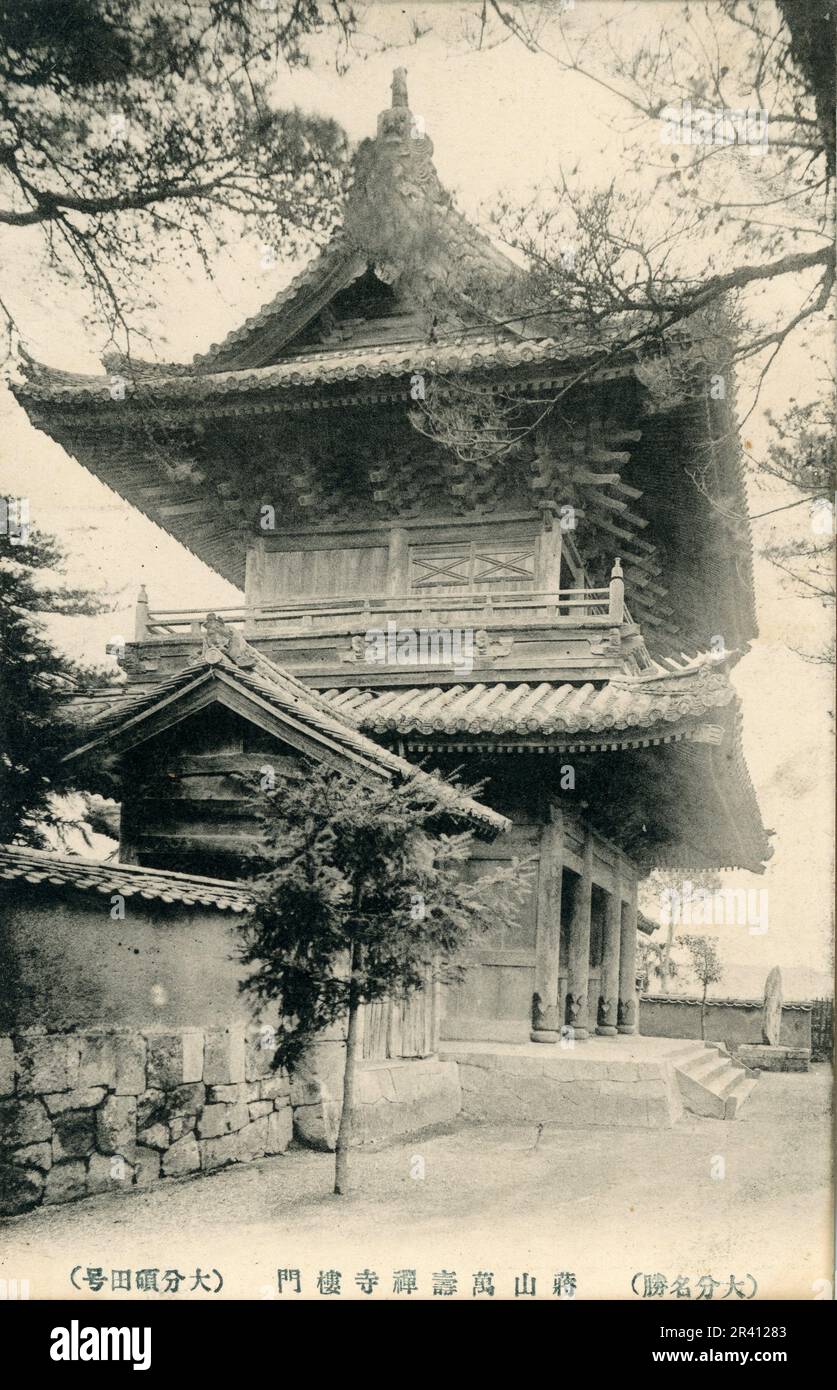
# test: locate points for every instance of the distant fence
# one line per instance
(822, 1030)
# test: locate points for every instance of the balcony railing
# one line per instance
(563, 608)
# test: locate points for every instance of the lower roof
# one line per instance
(697, 796)
(35, 866)
(235, 666)
(624, 709)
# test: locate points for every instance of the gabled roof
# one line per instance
(398, 220)
(399, 225)
(232, 673)
(91, 876)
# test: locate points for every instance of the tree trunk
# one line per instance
(665, 977)
(703, 1014)
(341, 1156)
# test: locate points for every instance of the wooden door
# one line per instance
(493, 1000)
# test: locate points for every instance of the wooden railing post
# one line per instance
(141, 616)
(617, 594)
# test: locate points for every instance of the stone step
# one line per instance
(732, 1077)
(707, 1069)
(711, 1084)
(744, 1086)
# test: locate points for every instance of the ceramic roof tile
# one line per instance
(89, 876)
(619, 705)
(252, 671)
(321, 369)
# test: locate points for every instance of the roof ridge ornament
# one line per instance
(220, 640)
(398, 123)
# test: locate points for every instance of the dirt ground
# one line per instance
(746, 1198)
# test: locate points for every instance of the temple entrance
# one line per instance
(568, 961)
(493, 999)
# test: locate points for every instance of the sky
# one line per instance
(503, 122)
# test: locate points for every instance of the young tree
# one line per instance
(363, 897)
(35, 679)
(706, 965)
(667, 886)
(122, 121)
(654, 963)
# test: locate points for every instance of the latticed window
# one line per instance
(472, 566)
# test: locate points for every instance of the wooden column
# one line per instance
(578, 965)
(398, 562)
(549, 554)
(611, 941)
(546, 1012)
(628, 1015)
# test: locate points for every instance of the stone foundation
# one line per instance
(94, 1111)
(764, 1057)
(609, 1082)
(402, 1097)
(393, 1097)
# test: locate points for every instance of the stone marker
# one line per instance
(771, 1018)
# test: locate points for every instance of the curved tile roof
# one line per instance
(129, 880)
(169, 382)
(548, 708)
(254, 673)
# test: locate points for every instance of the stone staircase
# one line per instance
(710, 1082)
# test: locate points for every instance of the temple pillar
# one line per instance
(578, 964)
(546, 1012)
(611, 944)
(628, 1014)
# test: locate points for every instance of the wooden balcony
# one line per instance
(517, 632)
(563, 608)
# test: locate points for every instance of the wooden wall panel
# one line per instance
(339, 572)
(394, 1028)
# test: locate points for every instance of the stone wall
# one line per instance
(91, 1111)
(730, 1021)
(66, 963)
